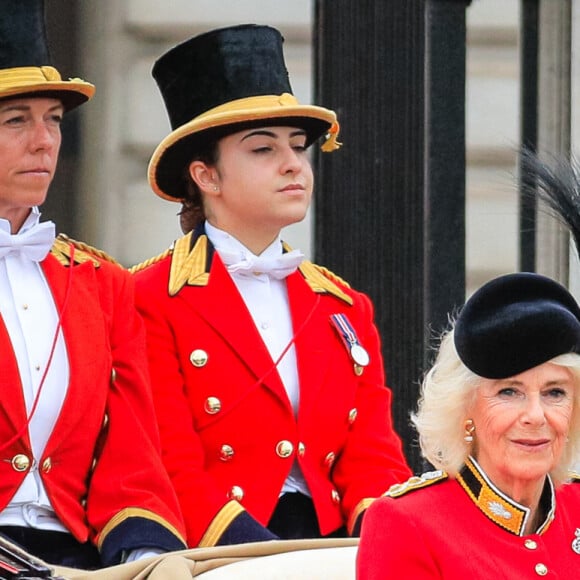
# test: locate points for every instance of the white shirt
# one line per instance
(31, 319)
(267, 301)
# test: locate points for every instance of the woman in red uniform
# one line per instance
(81, 478)
(268, 379)
(499, 414)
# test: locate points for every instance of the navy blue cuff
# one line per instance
(358, 525)
(135, 533)
(243, 529)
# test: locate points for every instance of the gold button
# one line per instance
(335, 496)
(530, 544)
(358, 370)
(46, 465)
(284, 449)
(212, 405)
(25, 307)
(20, 462)
(198, 358)
(301, 449)
(352, 416)
(113, 375)
(226, 452)
(329, 459)
(541, 569)
(236, 493)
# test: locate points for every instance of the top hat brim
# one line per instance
(44, 81)
(172, 155)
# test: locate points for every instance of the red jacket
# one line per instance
(228, 430)
(441, 531)
(101, 466)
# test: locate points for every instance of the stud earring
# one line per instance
(469, 431)
(215, 188)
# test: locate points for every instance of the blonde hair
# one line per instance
(447, 394)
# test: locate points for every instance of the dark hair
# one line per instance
(192, 211)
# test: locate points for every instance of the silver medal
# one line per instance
(359, 355)
(576, 541)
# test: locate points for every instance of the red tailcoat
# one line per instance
(101, 466)
(227, 427)
(453, 531)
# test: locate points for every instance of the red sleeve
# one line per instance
(129, 481)
(372, 458)
(393, 545)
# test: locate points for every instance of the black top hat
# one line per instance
(221, 82)
(25, 68)
(514, 323)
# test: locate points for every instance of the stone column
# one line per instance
(390, 205)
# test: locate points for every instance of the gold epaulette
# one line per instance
(61, 249)
(322, 280)
(150, 261)
(331, 275)
(416, 482)
(574, 476)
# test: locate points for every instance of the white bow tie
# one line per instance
(278, 267)
(34, 243)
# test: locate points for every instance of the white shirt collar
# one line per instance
(221, 240)
(32, 219)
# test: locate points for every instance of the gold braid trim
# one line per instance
(88, 249)
(321, 279)
(332, 276)
(61, 250)
(320, 282)
(416, 482)
(127, 513)
(361, 506)
(220, 523)
(150, 261)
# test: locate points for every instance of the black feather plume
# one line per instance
(556, 182)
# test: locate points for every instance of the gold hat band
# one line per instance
(39, 78)
(29, 75)
(268, 101)
(258, 102)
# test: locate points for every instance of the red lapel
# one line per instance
(312, 349)
(84, 333)
(11, 396)
(220, 304)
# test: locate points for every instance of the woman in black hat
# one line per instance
(268, 379)
(81, 479)
(499, 415)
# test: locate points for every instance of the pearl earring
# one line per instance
(215, 188)
(469, 431)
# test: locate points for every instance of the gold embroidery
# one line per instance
(416, 482)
